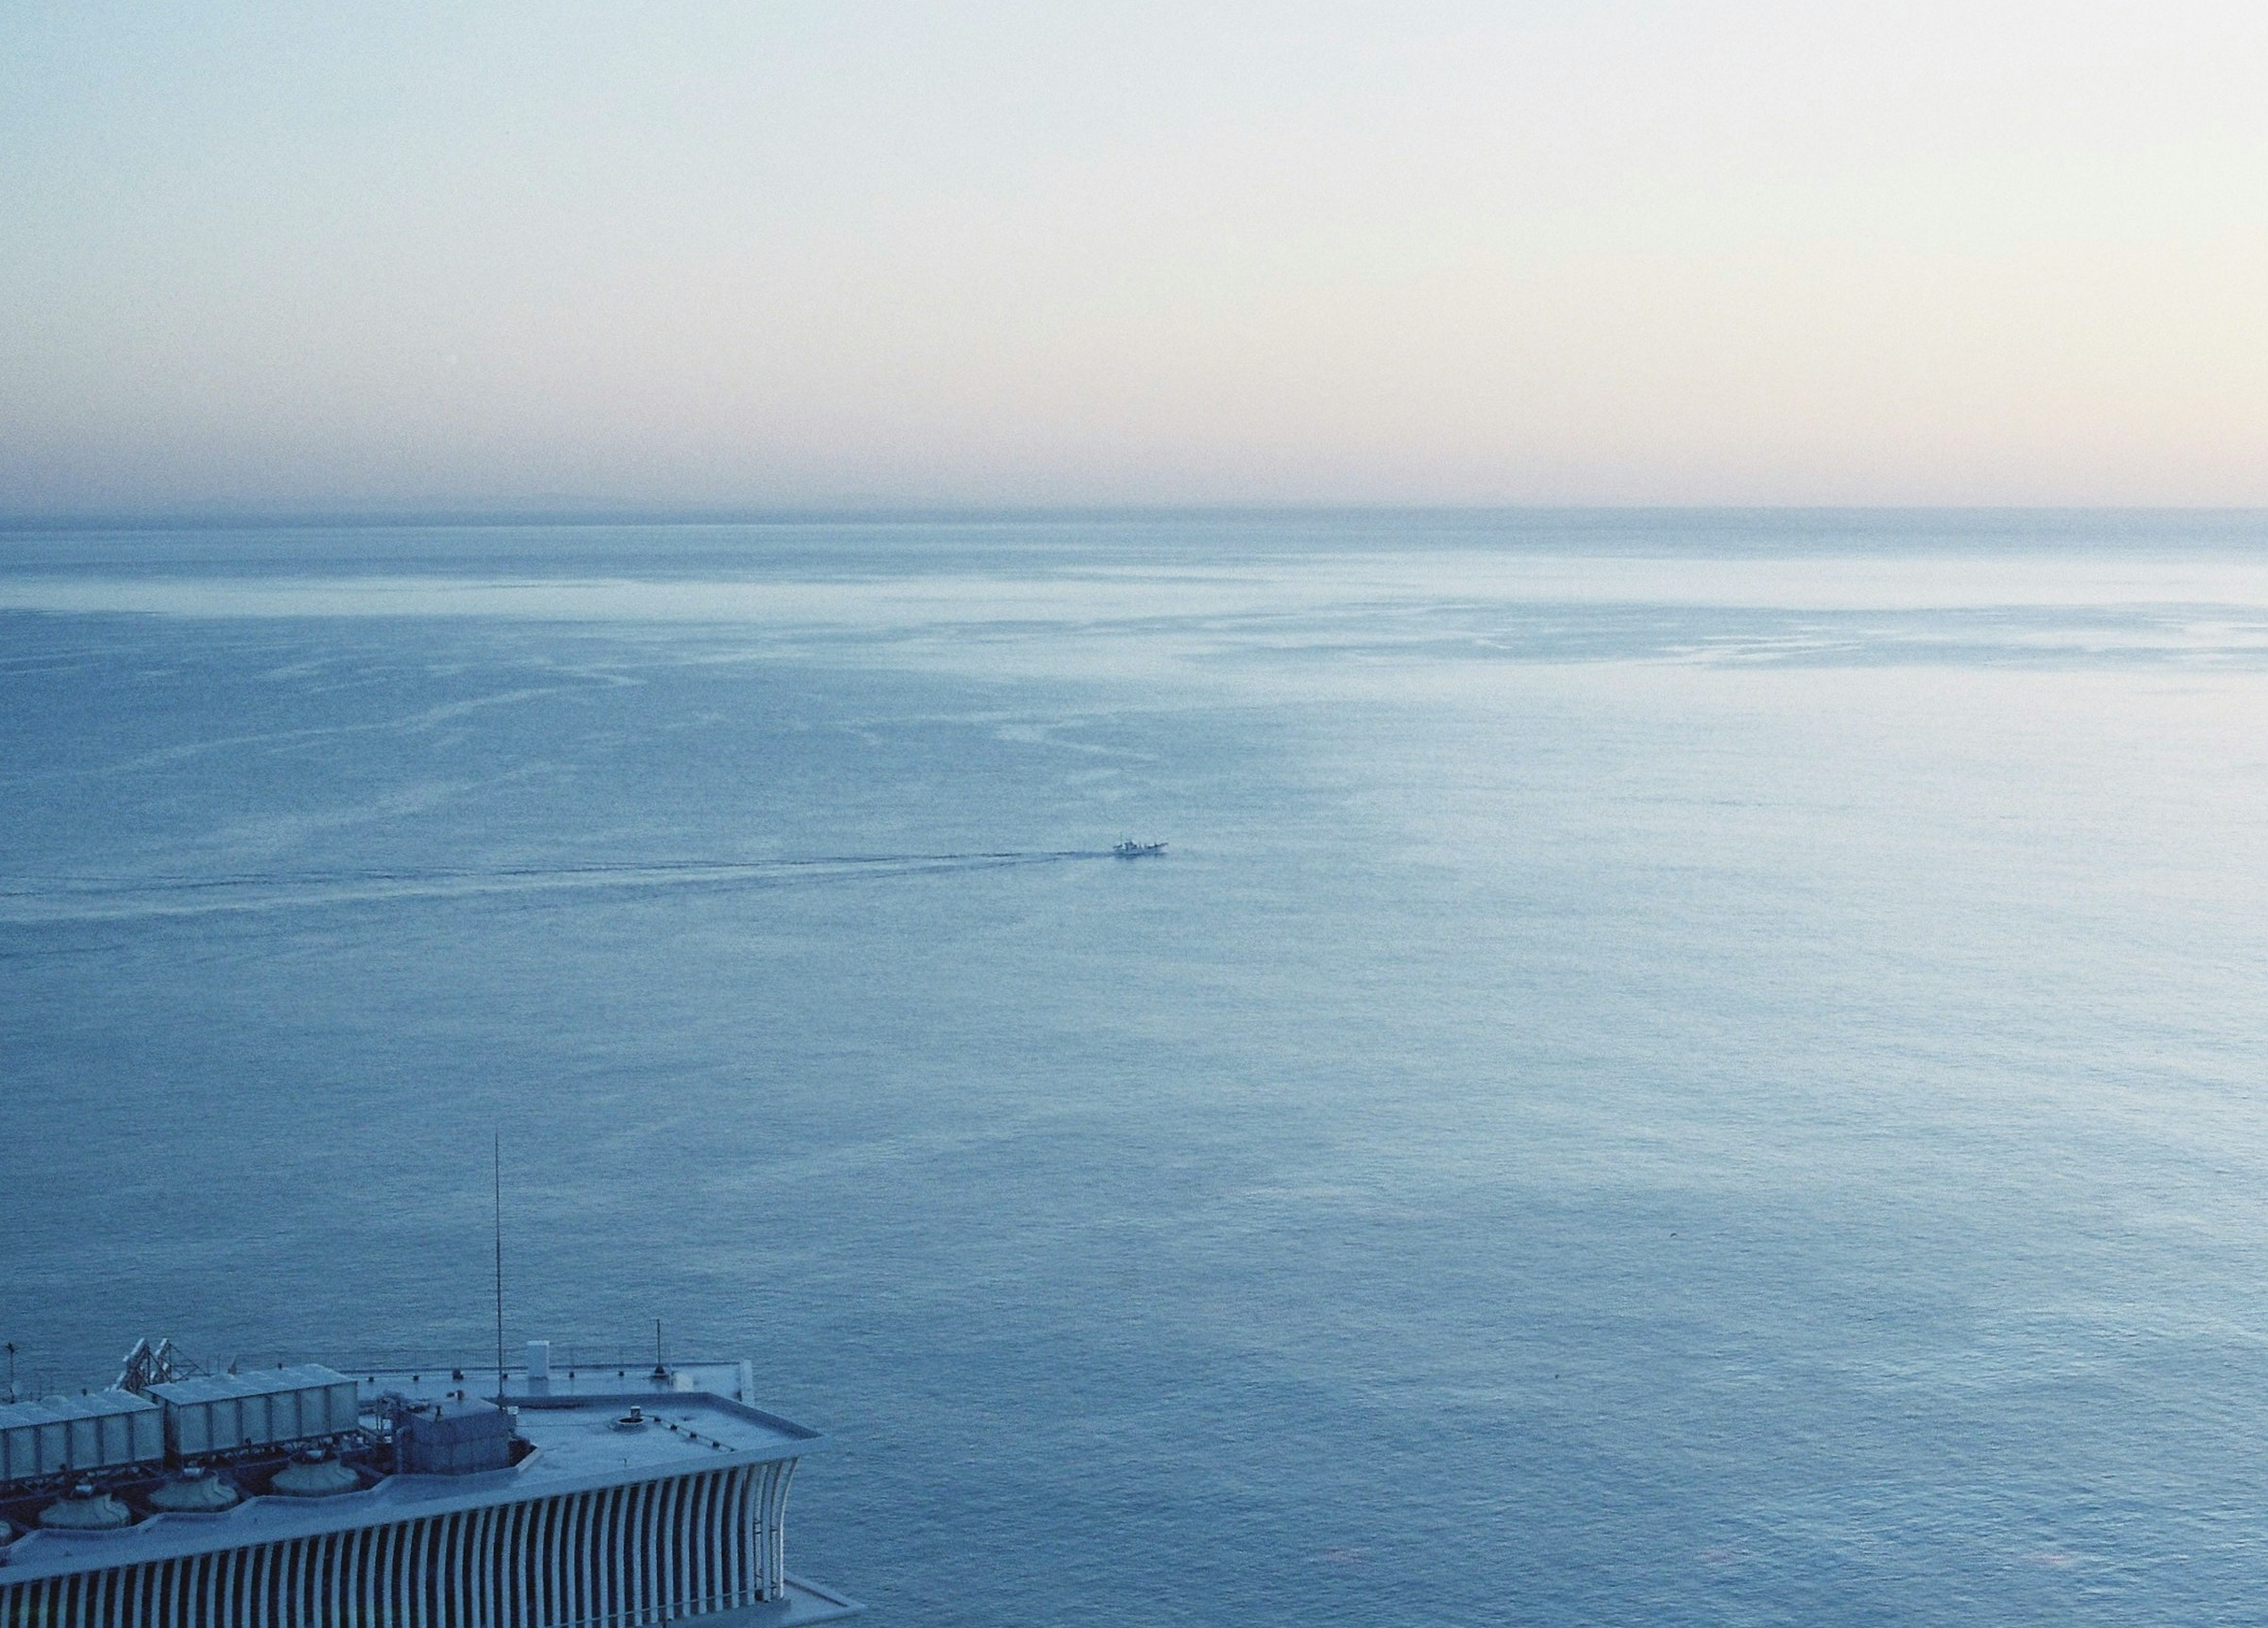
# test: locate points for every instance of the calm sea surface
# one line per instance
(1678, 1069)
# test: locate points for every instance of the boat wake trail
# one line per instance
(25, 902)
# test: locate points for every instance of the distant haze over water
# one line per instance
(1679, 1066)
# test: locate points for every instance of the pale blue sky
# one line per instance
(783, 254)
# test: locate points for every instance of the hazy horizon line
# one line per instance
(599, 512)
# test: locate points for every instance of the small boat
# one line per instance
(1132, 849)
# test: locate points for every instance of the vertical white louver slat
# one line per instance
(409, 1576)
(767, 1489)
(728, 1537)
(583, 1607)
(617, 1556)
(657, 1577)
(688, 1544)
(518, 1609)
(358, 1567)
(289, 1560)
(431, 1583)
(490, 1608)
(572, 1559)
(456, 1567)
(385, 1564)
(657, 1551)
(722, 1536)
(303, 1584)
(632, 1608)
(728, 1543)
(355, 1569)
(779, 1529)
(500, 1566)
(370, 1573)
(602, 1596)
(748, 1532)
(400, 1574)
(666, 1593)
(429, 1600)
(522, 1556)
(759, 1509)
(634, 1547)
(775, 1483)
(555, 1561)
(484, 1541)
(536, 1564)
(704, 1591)
(563, 1559)
(720, 1557)
(598, 1608)
(326, 1599)
(669, 1595)
(228, 1579)
(544, 1595)
(696, 1542)
(338, 1579)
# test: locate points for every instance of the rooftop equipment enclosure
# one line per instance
(456, 1438)
(220, 1413)
(106, 1431)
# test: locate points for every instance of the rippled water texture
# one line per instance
(1678, 1068)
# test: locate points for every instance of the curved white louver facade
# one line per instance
(648, 1552)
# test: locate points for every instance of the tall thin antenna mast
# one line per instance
(499, 1152)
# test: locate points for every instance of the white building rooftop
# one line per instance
(572, 1424)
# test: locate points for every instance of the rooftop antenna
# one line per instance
(12, 1370)
(496, 1150)
(659, 1371)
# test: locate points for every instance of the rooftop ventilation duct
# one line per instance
(312, 1476)
(86, 1510)
(194, 1492)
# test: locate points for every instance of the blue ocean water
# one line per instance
(1679, 1068)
